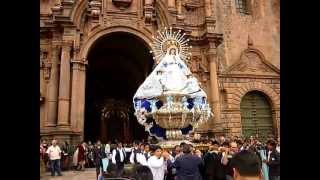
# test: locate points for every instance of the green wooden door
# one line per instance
(256, 116)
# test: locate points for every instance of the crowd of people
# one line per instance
(224, 159)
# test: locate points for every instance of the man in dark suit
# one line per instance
(273, 160)
(213, 169)
(188, 166)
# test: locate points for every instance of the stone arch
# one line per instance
(95, 35)
(273, 97)
(77, 12)
(163, 13)
(256, 63)
(253, 121)
(253, 50)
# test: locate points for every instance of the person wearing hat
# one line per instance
(273, 160)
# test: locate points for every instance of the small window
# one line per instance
(243, 6)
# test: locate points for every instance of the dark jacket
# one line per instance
(98, 155)
(228, 169)
(274, 163)
(188, 167)
(213, 168)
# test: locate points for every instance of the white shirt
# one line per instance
(132, 155)
(269, 155)
(127, 149)
(54, 152)
(142, 159)
(107, 149)
(157, 167)
(122, 154)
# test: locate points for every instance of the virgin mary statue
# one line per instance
(171, 75)
(170, 79)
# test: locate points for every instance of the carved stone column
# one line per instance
(64, 87)
(208, 9)
(78, 95)
(171, 4)
(148, 11)
(211, 56)
(53, 86)
(179, 7)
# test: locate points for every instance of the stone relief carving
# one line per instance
(221, 64)
(122, 4)
(149, 13)
(252, 63)
(199, 70)
(94, 10)
(193, 12)
(45, 64)
(195, 64)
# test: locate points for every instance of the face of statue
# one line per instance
(172, 51)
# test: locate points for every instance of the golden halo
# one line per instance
(169, 39)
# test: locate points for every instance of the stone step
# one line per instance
(88, 174)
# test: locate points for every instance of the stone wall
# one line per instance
(262, 25)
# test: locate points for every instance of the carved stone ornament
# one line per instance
(45, 64)
(252, 62)
(195, 64)
(199, 69)
(122, 3)
(41, 97)
(95, 8)
(191, 5)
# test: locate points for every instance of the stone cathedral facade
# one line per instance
(95, 53)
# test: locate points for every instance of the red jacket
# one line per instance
(81, 153)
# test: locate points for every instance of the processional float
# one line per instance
(170, 102)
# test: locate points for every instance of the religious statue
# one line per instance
(171, 95)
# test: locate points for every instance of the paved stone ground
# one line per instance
(88, 174)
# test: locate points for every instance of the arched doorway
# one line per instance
(256, 116)
(118, 63)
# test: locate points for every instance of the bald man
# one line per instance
(54, 153)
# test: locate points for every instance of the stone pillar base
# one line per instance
(62, 135)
